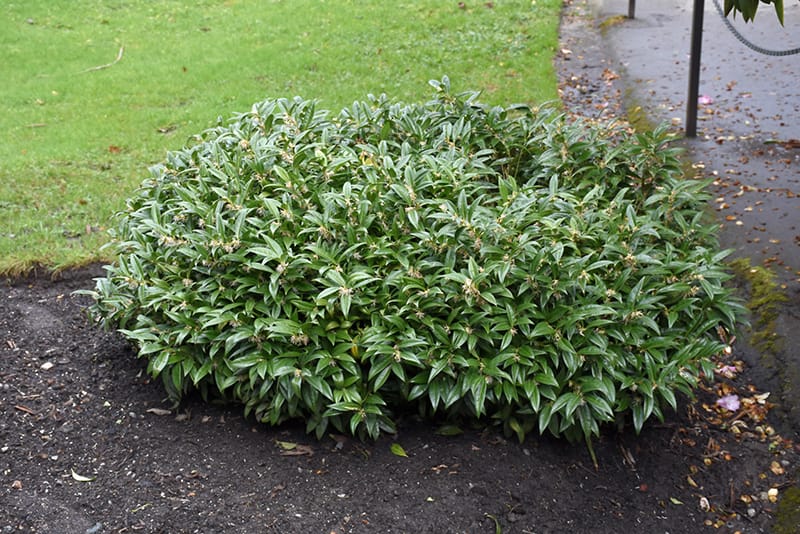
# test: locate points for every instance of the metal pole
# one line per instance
(694, 68)
(631, 9)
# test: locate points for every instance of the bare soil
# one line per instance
(89, 445)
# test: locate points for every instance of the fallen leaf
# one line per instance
(81, 478)
(673, 500)
(159, 411)
(609, 75)
(276, 489)
(286, 445)
(728, 371)
(439, 468)
(761, 397)
(704, 504)
(183, 416)
(300, 450)
(792, 143)
(772, 495)
(449, 430)
(167, 129)
(398, 450)
(776, 468)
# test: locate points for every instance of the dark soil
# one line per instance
(89, 445)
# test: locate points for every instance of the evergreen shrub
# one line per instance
(447, 256)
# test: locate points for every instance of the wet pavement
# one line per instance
(748, 141)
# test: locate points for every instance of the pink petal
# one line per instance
(729, 402)
(728, 371)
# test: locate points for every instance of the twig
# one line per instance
(25, 409)
(101, 67)
(732, 494)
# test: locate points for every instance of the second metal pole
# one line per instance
(694, 68)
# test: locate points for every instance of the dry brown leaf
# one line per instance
(776, 468)
(298, 450)
(792, 143)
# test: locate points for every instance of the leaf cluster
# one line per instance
(749, 8)
(466, 260)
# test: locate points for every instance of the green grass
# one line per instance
(78, 139)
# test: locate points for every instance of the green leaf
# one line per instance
(544, 417)
(532, 392)
(355, 421)
(669, 396)
(546, 378)
(344, 301)
(518, 430)
(478, 390)
(398, 450)
(542, 329)
(449, 430)
(272, 251)
(638, 417)
(158, 363)
(569, 402)
(601, 407)
(177, 377)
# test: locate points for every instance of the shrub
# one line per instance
(460, 259)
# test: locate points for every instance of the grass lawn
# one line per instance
(95, 92)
